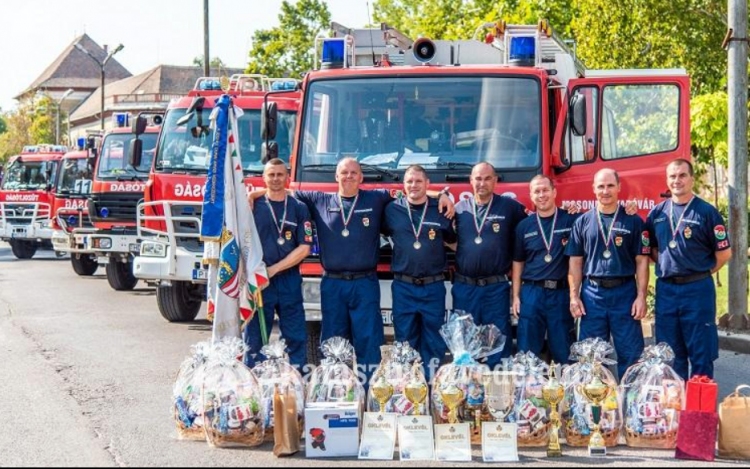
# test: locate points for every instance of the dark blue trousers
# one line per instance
(608, 312)
(686, 320)
(546, 311)
(282, 297)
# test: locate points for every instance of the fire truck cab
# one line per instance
(26, 198)
(170, 215)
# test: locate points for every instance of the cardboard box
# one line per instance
(332, 429)
(701, 394)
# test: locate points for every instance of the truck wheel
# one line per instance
(84, 265)
(23, 249)
(120, 275)
(313, 342)
(179, 302)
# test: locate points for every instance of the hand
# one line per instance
(446, 206)
(572, 208)
(638, 310)
(516, 307)
(631, 207)
(576, 307)
(250, 200)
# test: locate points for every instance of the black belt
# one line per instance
(609, 282)
(548, 284)
(348, 275)
(687, 278)
(480, 281)
(419, 280)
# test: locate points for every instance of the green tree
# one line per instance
(287, 50)
(32, 122)
(216, 62)
(708, 128)
(3, 124)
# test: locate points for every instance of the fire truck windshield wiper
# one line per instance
(454, 164)
(129, 177)
(370, 167)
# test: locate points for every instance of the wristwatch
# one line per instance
(446, 191)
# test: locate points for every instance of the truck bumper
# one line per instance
(73, 243)
(177, 264)
(33, 232)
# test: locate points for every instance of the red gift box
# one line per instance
(702, 394)
(696, 436)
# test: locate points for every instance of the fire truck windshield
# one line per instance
(113, 160)
(75, 176)
(187, 147)
(438, 122)
(28, 175)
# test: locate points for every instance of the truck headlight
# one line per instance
(102, 243)
(152, 249)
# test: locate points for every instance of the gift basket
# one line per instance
(467, 343)
(397, 366)
(231, 399)
(652, 398)
(576, 413)
(187, 402)
(531, 411)
(335, 380)
(277, 371)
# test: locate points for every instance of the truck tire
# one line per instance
(179, 302)
(120, 275)
(84, 265)
(313, 342)
(23, 249)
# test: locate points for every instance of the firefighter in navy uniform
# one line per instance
(540, 275)
(689, 243)
(285, 232)
(418, 231)
(485, 226)
(608, 272)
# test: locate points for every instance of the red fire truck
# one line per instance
(518, 99)
(26, 198)
(116, 190)
(169, 217)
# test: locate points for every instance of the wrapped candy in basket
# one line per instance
(652, 397)
(468, 343)
(231, 399)
(530, 410)
(335, 379)
(576, 410)
(276, 370)
(397, 366)
(187, 402)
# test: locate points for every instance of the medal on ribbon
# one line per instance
(608, 237)
(417, 230)
(547, 242)
(346, 218)
(477, 224)
(279, 226)
(676, 227)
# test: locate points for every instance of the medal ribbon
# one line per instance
(279, 227)
(547, 244)
(346, 219)
(676, 228)
(480, 225)
(414, 229)
(607, 238)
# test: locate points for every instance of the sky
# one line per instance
(154, 32)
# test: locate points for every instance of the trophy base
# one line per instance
(554, 453)
(597, 451)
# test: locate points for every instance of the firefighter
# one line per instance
(608, 272)
(418, 232)
(540, 275)
(689, 243)
(285, 232)
(485, 226)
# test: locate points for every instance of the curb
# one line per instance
(734, 342)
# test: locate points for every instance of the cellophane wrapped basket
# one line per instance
(231, 399)
(576, 415)
(531, 411)
(397, 365)
(187, 402)
(276, 369)
(652, 395)
(335, 379)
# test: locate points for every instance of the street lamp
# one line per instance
(57, 120)
(101, 68)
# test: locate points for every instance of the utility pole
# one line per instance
(206, 56)
(737, 43)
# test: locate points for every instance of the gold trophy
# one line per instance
(416, 391)
(382, 391)
(596, 391)
(553, 392)
(475, 402)
(452, 397)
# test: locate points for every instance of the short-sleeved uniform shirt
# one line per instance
(530, 247)
(296, 228)
(357, 252)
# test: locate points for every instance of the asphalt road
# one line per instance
(87, 374)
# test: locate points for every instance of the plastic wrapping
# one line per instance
(335, 380)
(397, 365)
(531, 412)
(576, 414)
(652, 396)
(187, 401)
(231, 399)
(276, 370)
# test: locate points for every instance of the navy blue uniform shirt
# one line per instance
(297, 229)
(628, 240)
(530, 248)
(494, 256)
(699, 235)
(402, 221)
(357, 252)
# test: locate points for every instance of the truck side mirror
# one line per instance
(139, 125)
(268, 151)
(577, 113)
(269, 121)
(135, 152)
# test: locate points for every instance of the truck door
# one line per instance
(635, 124)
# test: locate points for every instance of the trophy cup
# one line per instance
(382, 391)
(553, 392)
(596, 391)
(452, 397)
(416, 391)
(499, 393)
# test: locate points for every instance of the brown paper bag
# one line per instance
(734, 425)
(286, 426)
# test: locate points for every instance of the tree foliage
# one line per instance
(30, 123)
(216, 62)
(709, 128)
(287, 50)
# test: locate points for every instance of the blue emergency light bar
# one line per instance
(333, 53)
(121, 119)
(522, 51)
(81, 143)
(210, 85)
(104, 212)
(284, 85)
(72, 220)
